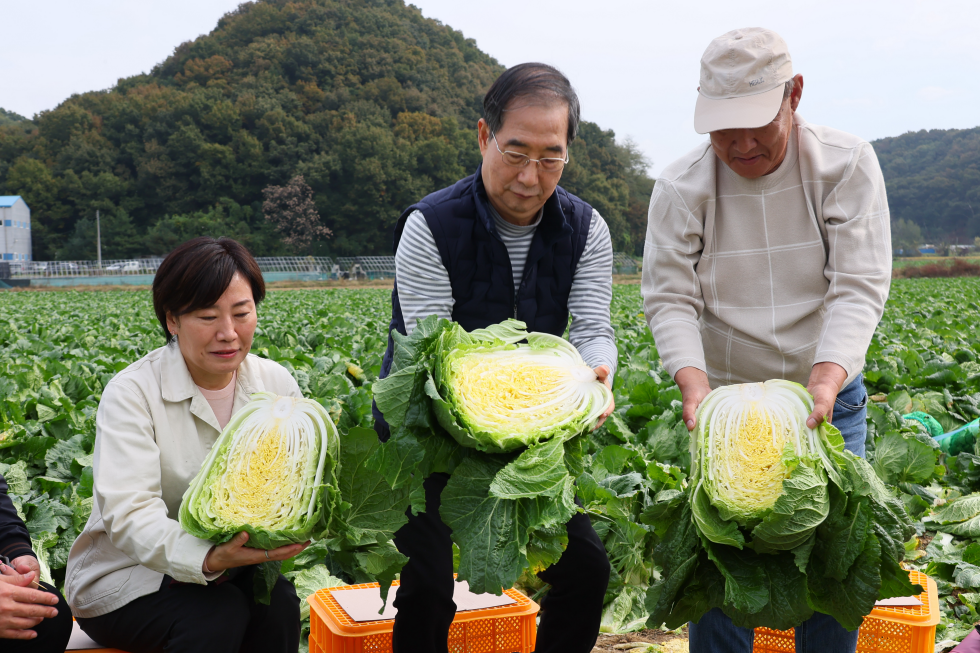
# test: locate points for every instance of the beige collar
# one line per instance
(177, 385)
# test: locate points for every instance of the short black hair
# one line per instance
(197, 273)
(537, 80)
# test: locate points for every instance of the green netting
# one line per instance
(933, 427)
(954, 442)
(960, 440)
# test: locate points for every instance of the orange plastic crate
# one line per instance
(505, 629)
(891, 630)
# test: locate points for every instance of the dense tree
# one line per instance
(10, 118)
(933, 180)
(613, 178)
(119, 238)
(372, 104)
(293, 212)
(225, 218)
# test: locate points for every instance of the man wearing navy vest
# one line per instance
(507, 242)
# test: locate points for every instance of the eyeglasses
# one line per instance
(518, 160)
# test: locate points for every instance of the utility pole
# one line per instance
(98, 241)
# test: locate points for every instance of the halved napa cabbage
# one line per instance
(749, 440)
(272, 473)
(508, 421)
(781, 520)
(497, 396)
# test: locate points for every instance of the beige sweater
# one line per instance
(152, 432)
(750, 280)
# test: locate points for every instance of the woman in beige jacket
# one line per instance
(135, 580)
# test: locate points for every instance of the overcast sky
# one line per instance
(873, 68)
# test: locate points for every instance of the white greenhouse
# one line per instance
(15, 229)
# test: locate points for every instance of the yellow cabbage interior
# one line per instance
(258, 486)
(500, 390)
(746, 457)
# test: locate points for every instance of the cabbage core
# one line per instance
(498, 396)
(748, 434)
(521, 389)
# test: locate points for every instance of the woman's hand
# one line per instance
(22, 608)
(234, 553)
(602, 374)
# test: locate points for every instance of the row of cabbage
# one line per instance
(57, 351)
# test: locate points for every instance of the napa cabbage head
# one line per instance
(497, 394)
(757, 469)
(271, 473)
(780, 520)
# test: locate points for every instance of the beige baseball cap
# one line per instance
(742, 77)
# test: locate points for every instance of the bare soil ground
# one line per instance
(275, 285)
(625, 279)
(56, 288)
(668, 641)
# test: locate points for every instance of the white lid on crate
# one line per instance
(365, 604)
(899, 602)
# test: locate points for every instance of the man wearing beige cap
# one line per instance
(767, 256)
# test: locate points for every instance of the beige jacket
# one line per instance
(750, 280)
(153, 430)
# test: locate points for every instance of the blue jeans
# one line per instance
(716, 633)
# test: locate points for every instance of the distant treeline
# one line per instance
(372, 104)
(10, 118)
(933, 181)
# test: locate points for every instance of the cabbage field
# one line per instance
(59, 349)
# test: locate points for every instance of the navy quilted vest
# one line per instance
(479, 266)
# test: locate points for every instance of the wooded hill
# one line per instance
(933, 179)
(373, 104)
(10, 118)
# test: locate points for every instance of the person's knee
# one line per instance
(229, 608)
(232, 604)
(425, 585)
(585, 564)
(595, 568)
(62, 624)
(285, 602)
(56, 631)
(591, 554)
(424, 589)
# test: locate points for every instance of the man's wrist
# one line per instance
(828, 372)
(689, 375)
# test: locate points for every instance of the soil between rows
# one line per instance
(668, 641)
